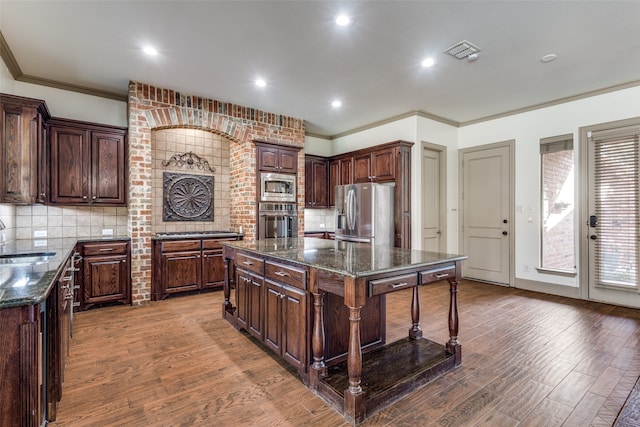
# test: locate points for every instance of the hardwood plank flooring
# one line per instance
(528, 359)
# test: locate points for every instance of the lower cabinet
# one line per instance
(186, 265)
(284, 322)
(272, 306)
(105, 273)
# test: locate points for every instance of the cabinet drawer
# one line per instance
(436, 274)
(249, 263)
(285, 274)
(114, 248)
(215, 243)
(390, 284)
(180, 245)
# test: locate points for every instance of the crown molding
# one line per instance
(9, 59)
(554, 102)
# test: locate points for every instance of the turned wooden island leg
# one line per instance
(318, 367)
(415, 331)
(454, 345)
(354, 396)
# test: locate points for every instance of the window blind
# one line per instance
(616, 203)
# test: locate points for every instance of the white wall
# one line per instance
(66, 104)
(318, 146)
(527, 129)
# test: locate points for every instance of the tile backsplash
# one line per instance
(39, 221)
(319, 219)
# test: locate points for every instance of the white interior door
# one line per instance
(433, 226)
(613, 221)
(486, 201)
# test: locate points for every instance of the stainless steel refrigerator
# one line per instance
(364, 213)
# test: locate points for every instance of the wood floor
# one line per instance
(528, 359)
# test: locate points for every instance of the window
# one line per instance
(558, 200)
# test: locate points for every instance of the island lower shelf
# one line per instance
(391, 372)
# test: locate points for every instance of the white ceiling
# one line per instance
(217, 48)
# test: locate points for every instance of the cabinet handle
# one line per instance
(84, 197)
(247, 262)
(281, 273)
(94, 197)
(282, 296)
(124, 260)
(105, 249)
(66, 278)
(441, 275)
(399, 285)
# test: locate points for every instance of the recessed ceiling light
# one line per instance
(343, 20)
(548, 58)
(428, 62)
(150, 50)
(260, 83)
(336, 104)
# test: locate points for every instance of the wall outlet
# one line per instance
(107, 231)
(40, 233)
(39, 243)
(321, 225)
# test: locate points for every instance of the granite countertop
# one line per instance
(195, 235)
(30, 285)
(345, 258)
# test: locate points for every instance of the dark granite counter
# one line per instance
(344, 258)
(195, 235)
(28, 285)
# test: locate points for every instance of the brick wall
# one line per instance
(152, 109)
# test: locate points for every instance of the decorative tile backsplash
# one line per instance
(319, 219)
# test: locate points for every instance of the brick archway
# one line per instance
(151, 108)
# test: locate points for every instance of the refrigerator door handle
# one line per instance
(351, 217)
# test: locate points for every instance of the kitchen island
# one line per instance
(320, 305)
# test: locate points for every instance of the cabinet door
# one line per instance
(294, 313)
(19, 136)
(254, 316)
(106, 279)
(346, 170)
(69, 165)
(272, 316)
(108, 176)
(315, 183)
(383, 165)
(243, 281)
(212, 269)
(362, 168)
(288, 160)
(181, 271)
(268, 159)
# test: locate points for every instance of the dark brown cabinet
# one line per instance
(340, 173)
(34, 346)
(87, 163)
(315, 182)
(106, 276)
(285, 311)
(21, 134)
(374, 166)
(274, 158)
(249, 293)
(187, 265)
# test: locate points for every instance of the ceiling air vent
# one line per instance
(462, 49)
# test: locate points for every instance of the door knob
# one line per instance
(504, 233)
(593, 237)
(504, 221)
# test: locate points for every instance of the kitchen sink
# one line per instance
(25, 260)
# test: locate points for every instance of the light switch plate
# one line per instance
(40, 233)
(107, 231)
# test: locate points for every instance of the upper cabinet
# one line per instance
(273, 158)
(21, 133)
(376, 166)
(315, 182)
(87, 163)
(340, 173)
